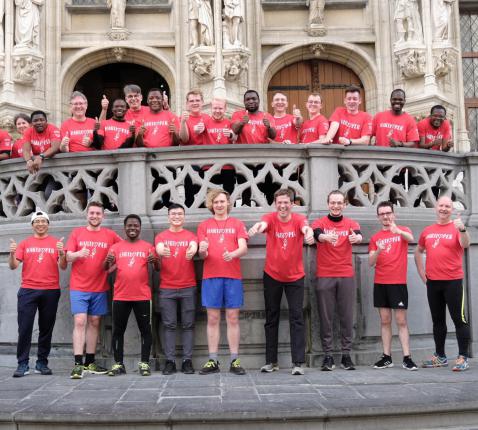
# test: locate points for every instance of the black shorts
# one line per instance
(393, 296)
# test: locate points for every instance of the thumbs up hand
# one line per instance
(104, 103)
(353, 237)
(60, 247)
(458, 223)
(84, 252)
(13, 246)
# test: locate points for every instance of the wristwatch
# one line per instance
(42, 156)
(462, 230)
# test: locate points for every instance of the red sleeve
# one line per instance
(201, 233)
(335, 116)
(446, 130)
(72, 244)
(271, 119)
(317, 224)
(323, 125)
(20, 251)
(241, 230)
(372, 246)
(101, 130)
(412, 131)
(367, 125)
(421, 240)
(374, 125)
(268, 219)
(27, 136)
(237, 116)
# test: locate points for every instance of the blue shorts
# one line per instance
(222, 293)
(88, 303)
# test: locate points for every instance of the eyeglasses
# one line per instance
(385, 213)
(171, 214)
(40, 221)
(133, 96)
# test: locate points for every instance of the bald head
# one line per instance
(444, 209)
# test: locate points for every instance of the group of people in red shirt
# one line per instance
(94, 252)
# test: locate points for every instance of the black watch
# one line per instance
(462, 230)
(42, 156)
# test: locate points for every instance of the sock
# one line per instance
(234, 356)
(78, 360)
(213, 356)
(90, 358)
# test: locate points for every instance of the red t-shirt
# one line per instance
(335, 261)
(214, 131)
(287, 132)
(157, 133)
(17, 148)
(284, 243)
(391, 265)
(444, 253)
(196, 139)
(40, 142)
(115, 133)
(76, 131)
(176, 272)
(5, 141)
(431, 134)
(254, 131)
(222, 235)
(136, 116)
(351, 126)
(401, 127)
(40, 263)
(87, 274)
(132, 276)
(312, 129)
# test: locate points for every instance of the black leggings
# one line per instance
(121, 312)
(440, 295)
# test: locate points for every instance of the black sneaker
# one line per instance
(22, 370)
(169, 367)
(43, 369)
(210, 367)
(408, 363)
(384, 362)
(346, 363)
(187, 367)
(236, 367)
(328, 363)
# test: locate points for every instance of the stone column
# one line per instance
(219, 81)
(430, 82)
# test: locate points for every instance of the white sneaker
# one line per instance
(270, 367)
(297, 370)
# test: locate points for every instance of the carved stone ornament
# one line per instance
(118, 34)
(118, 52)
(317, 30)
(202, 64)
(6, 123)
(411, 62)
(443, 61)
(317, 49)
(235, 65)
(26, 68)
(2, 66)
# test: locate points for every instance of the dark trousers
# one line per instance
(121, 312)
(440, 295)
(294, 292)
(29, 301)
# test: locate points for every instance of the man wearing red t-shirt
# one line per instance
(41, 255)
(287, 125)
(394, 127)
(5, 145)
(388, 253)
(177, 288)
(136, 112)
(315, 128)
(336, 289)
(87, 248)
(444, 243)
(435, 131)
(160, 127)
(349, 125)
(222, 242)
(116, 132)
(284, 271)
(130, 258)
(41, 141)
(192, 127)
(252, 125)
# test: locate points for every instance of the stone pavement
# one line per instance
(362, 399)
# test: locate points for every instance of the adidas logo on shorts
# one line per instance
(401, 304)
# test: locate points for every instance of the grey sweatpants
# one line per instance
(337, 293)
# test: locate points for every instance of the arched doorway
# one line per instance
(110, 80)
(299, 79)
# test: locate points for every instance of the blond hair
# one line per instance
(212, 195)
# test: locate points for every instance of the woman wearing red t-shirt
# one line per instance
(22, 123)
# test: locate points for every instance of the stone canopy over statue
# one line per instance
(201, 24)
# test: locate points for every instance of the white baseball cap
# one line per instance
(39, 214)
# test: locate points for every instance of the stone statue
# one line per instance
(441, 14)
(407, 21)
(316, 11)
(27, 24)
(201, 23)
(233, 16)
(2, 37)
(117, 14)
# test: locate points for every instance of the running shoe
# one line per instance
(144, 368)
(461, 364)
(346, 363)
(384, 362)
(210, 367)
(77, 372)
(297, 369)
(169, 367)
(435, 361)
(328, 364)
(42, 369)
(21, 370)
(95, 369)
(269, 367)
(409, 364)
(236, 367)
(117, 369)
(187, 367)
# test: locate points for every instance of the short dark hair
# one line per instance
(176, 206)
(284, 192)
(96, 204)
(437, 107)
(352, 89)
(37, 112)
(119, 100)
(252, 91)
(155, 89)
(386, 204)
(397, 90)
(337, 192)
(131, 216)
